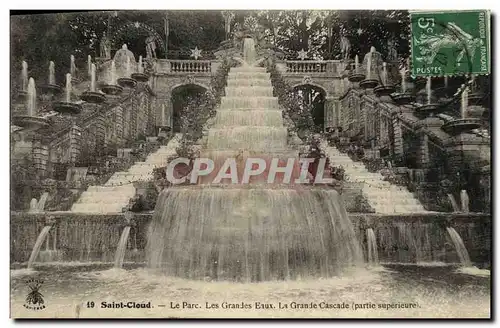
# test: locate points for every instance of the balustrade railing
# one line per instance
(190, 66)
(306, 66)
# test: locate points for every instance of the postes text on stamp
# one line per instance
(448, 43)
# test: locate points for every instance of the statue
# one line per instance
(228, 17)
(392, 53)
(374, 65)
(105, 46)
(120, 60)
(150, 47)
(345, 47)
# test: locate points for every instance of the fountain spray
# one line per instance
(140, 69)
(465, 96)
(52, 73)
(89, 65)
(369, 66)
(31, 104)
(92, 77)
(403, 82)
(428, 89)
(68, 87)
(113, 73)
(24, 76)
(72, 69)
(384, 73)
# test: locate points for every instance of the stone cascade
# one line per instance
(249, 115)
(117, 191)
(382, 196)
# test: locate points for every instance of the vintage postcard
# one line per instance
(250, 164)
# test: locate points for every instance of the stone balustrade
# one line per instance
(327, 67)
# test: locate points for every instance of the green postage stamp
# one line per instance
(450, 42)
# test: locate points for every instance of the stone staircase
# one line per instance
(382, 196)
(117, 191)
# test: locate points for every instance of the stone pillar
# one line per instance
(119, 125)
(100, 133)
(40, 151)
(133, 118)
(398, 138)
(164, 112)
(467, 147)
(75, 141)
(331, 118)
(423, 150)
(153, 109)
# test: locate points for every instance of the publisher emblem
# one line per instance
(34, 299)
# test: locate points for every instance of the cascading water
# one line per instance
(112, 73)
(72, 67)
(372, 248)
(24, 76)
(122, 247)
(140, 68)
(38, 244)
(462, 253)
(253, 232)
(31, 100)
(249, 51)
(89, 65)
(92, 77)
(68, 87)
(52, 73)
(127, 67)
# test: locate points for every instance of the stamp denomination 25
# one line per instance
(450, 43)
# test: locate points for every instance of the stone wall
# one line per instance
(87, 238)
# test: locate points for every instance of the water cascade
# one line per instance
(92, 77)
(371, 241)
(72, 69)
(453, 202)
(428, 89)
(52, 73)
(369, 64)
(356, 64)
(249, 51)
(384, 73)
(89, 65)
(140, 68)
(24, 76)
(464, 100)
(127, 67)
(68, 87)
(31, 100)
(462, 253)
(38, 244)
(250, 232)
(50, 255)
(122, 247)
(464, 200)
(112, 74)
(403, 79)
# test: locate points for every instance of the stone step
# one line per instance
(128, 188)
(248, 69)
(249, 102)
(246, 82)
(249, 91)
(100, 197)
(98, 208)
